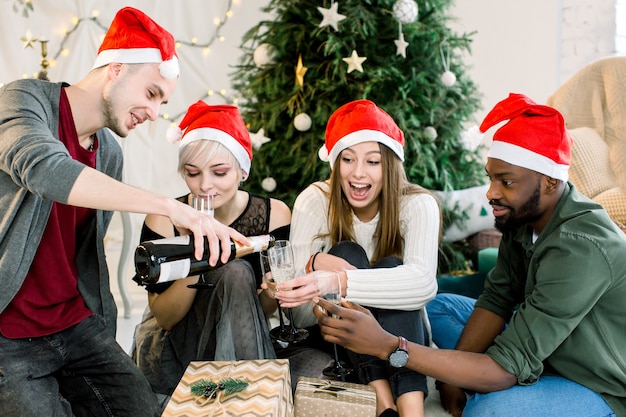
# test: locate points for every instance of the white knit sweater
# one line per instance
(406, 287)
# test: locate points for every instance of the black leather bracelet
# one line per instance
(313, 261)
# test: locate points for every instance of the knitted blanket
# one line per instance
(595, 97)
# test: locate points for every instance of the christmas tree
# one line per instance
(316, 55)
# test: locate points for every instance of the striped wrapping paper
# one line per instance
(324, 398)
(268, 393)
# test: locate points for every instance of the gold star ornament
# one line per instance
(28, 40)
(354, 62)
(300, 71)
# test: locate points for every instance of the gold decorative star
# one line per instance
(29, 40)
(354, 62)
(331, 16)
(300, 71)
(401, 45)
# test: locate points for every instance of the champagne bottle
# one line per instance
(168, 259)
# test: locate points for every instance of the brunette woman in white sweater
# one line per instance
(380, 232)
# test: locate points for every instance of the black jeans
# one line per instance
(80, 371)
(408, 324)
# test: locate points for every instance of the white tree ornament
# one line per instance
(331, 16)
(263, 55)
(447, 78)
(430, 133)
(405, 11)
(258, 139)
(302, 122)
(401, 45)
(354, 62)
(268, 184)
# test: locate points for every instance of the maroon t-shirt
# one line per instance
(48, 300)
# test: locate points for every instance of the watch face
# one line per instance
(398, 358)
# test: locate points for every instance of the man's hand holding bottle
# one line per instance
(219, 236)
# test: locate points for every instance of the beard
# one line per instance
(526, 213)
(110, 120)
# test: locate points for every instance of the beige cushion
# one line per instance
(614, 202)
(590, 170)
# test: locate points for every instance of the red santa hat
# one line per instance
(534, 137)
(356, 122)
(134, 38)
(220, 123)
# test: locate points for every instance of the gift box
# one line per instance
(325, 398)
(267, 393)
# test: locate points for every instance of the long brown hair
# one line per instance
(389, 240)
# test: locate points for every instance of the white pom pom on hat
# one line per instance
(173, 134)
(356, 122)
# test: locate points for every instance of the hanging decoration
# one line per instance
(258, 139)
(263, 55)
(331, 16)
(354, 62)
(268, 184)
(300, 71)
(401, 44)
(302, 122)
(405, 12)
(430, 133)
(447, 78)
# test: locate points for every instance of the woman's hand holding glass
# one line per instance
(301, 290)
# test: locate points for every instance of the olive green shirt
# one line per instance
(568, 292)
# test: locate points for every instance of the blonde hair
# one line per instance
(201, 152)
(388, 236)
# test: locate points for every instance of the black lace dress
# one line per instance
(225, 323)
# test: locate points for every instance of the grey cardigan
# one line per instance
(35, 170)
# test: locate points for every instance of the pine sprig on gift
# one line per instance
(209, 389)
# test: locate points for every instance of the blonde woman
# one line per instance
(226, 322)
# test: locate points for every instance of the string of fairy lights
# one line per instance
(50, 60)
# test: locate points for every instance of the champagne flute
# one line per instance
(281, 332)
(204, 204)
(329, 285)
(282, 266)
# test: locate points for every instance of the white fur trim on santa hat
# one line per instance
(522, 157)
(170, 70)
(208, 133)
(361, 136)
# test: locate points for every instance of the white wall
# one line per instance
(533, 46)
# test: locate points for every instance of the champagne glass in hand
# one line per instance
(282, 266)
(204, 204)
(281, 332)
(329, 288)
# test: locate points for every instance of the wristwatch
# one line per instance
(400, 356)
